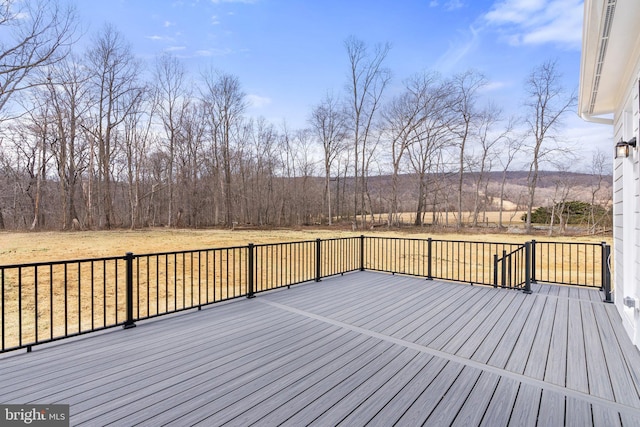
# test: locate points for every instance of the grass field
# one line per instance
(29, 247)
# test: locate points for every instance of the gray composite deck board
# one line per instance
(186, 374)
(230, 381)
(556, 363)
(552, 409)
(525, 336)
(363, 348)
(498, 412)
(576, 377)
(476, 404)
(599, 384)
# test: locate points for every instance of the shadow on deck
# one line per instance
(363, 348)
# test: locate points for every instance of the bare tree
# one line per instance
(3, 181)
(466, 86)
(115, 80)
(511, 147)
(36, 34)
(226, 104)
(136, 138)
(68, 89)
(38, 141)
(328, 121)
(304, 163)
(547, 102)
(29, 138)
(600, 168)
(367, 82)
(487, 139)
(261, 167)
(430, 138)
(191, 167)
(563, 184)
(172, 98)
(403, 117)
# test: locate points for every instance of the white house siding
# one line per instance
(610, 85)
(626, 222)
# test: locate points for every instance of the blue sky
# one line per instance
(288, 54)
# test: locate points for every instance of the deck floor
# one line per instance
(360, 349)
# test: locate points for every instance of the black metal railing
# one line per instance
(44, 302)
(456, 260)
(569, 263)
(513, 270)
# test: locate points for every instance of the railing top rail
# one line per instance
(342, 238)
(61, 262)
(444, 240)
(187, 251)
(507, 255)
(295, 242)
(510, 254)
(547, 242)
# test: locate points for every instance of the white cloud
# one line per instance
(156, 38)
(493, 86)
(453, 5)
(203, 52)
(175, 48)
(215, 20)
(536, 22)
(515, 11)
(458, 51)
(212, 52)
(257, 101)
(448, 5)
(167, 24)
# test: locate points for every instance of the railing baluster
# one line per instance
(250, 258)
(35, 301)
(429, 258)
(527, 269)
(129, 274)
(50, 303)
(533, 261)
(606, 272)
(3, 301)
(361, 253)
(66, 311)
(318, 260)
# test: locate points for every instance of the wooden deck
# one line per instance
(360, 349)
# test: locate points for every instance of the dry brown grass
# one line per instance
(26, 247)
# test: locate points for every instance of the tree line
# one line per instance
(97, 139)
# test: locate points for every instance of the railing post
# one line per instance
(504, 268)
(318, 260)
(129, 274)
(429, 243)
(527, 267)
(495, 270)
(250, 278)
(606, 272)
(361, 252)
(533, 262)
